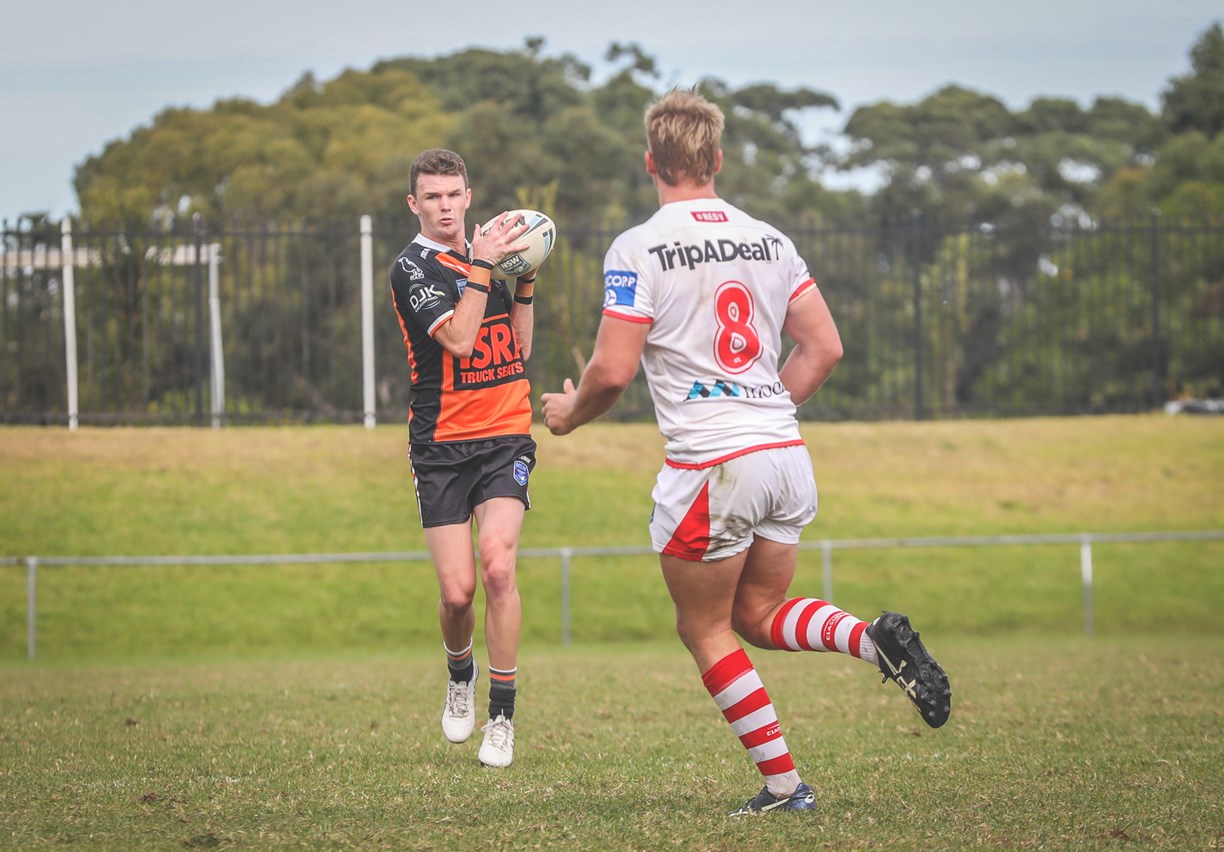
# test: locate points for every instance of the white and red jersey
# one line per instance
(714, 284)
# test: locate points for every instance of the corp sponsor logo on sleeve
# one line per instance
(620, 287)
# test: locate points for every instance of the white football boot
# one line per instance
(498, 746)
(459, 711)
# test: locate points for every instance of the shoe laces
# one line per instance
(499, 732)
(458, 697)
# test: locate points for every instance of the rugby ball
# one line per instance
(540, 237)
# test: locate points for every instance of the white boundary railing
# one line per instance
(566, 555)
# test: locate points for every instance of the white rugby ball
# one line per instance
(540, 237)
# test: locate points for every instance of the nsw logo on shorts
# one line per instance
(521, 470)
(620, 287)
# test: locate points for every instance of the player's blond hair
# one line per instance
(436, 161)
(683, 133)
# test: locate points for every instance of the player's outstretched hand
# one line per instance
(557, 408)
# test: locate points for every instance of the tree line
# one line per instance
(537, 130)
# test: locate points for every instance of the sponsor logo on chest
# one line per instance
(495, 360)
(691, 255)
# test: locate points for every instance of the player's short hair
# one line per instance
(683, 132)
(436, 161)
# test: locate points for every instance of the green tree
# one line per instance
(1195, 101)
(962, 156)
(530, 87)
(767, 166)
(933, 153)
(321, 151)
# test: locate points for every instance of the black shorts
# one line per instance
(452, 479)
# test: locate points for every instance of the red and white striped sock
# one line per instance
(740, 695)
(808, 624)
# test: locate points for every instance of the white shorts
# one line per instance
(713, 513)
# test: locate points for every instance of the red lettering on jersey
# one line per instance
(496, 357)
(501, 340)
(709, 215)
(482, 352)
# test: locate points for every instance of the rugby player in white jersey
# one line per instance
(701, 294)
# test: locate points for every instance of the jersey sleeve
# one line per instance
(801, 280)
(627, 291)
(419, 290)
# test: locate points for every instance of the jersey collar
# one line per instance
(423, 240)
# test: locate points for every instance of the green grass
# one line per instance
(295, 706)
(346, 489)
(1066, 744)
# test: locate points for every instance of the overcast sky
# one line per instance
(75, 74)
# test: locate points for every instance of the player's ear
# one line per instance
(412, 205)
(718, 162)
(650, 164)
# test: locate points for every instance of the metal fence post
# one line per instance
(1159, 389)
(216, 351)
(198, 260)
(70, 341)
(826, 559)
(31, 597)
(916, 260)
(367, 318)
(1086, 578)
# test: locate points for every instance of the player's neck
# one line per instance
(684, 191)
(455, 242)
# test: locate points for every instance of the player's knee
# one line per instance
(749, 622)
(457, 598)
(692, 632)
(687, 637)
(497, 572)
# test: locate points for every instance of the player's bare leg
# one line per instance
(704, 594)
(769, 568)
(455, 566)
(500, 522)
(766, 617)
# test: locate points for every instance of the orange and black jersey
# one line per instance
(457, 399)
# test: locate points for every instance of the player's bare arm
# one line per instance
(522, 312)
(613, 364)
(522, 318)
(818, 346)
(458, 335)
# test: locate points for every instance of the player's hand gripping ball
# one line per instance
(540, 237)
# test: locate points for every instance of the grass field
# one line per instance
(294, 706)
(1068, 744)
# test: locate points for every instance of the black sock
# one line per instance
(501, 692)
(462, 666)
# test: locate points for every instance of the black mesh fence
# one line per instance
(937, 322)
